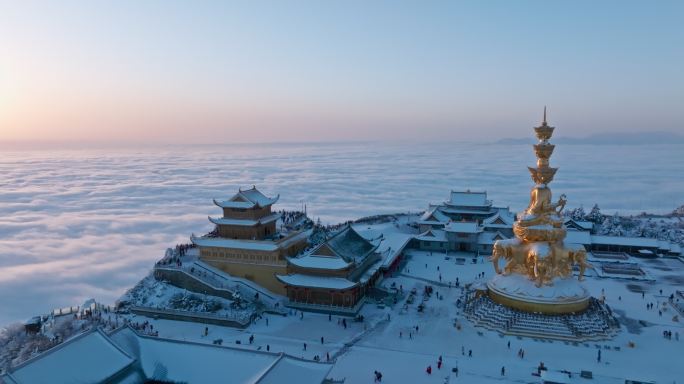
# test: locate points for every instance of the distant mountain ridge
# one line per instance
(636, 138)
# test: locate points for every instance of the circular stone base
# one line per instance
(519, 292)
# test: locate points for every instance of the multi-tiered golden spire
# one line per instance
(542, 213)
(538, 251)
(541, 224)
(543, 174)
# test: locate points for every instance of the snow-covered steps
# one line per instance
(596, 323)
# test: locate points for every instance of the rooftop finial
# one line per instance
(544, 122)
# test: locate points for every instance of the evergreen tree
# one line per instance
(578, 214)
(612, 226)
(595, 215)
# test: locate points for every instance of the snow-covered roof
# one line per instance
(244, 222)
(664, 245)
(191, 362)
(585, 225)
(486, 211)
(319, 262)
(347, 244)
(234, 204)
(310, 281)
(468, 199)
(393, 241)
(490, 237)
(392, 246)
(288, 369)
(368, 273)
(625, 241)
(208, 364)
(294, 237)
(463, 227)
(90, 357)
(433, 235)
(220, 242)
(433, 216)
(500, 219)
(247, 199)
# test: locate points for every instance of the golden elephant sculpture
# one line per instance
(578, 255)
(539, 261)
(511, 252)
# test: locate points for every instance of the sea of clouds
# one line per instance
(76, 224)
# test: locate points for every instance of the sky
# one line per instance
(259, 71)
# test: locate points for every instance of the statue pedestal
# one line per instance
(517, 291)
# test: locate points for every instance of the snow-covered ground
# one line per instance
(401, 342)
(388, 340)
(664, 227)
(153, 293)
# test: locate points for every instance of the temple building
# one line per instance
(247, 243)
(461, 206)
(246, 215)
(334, 275)
(467, 222)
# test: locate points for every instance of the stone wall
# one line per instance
(183, 280)
(190, 316)
(264, 275)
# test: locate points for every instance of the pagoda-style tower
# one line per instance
(247, 216)
(538, 273)
(246, 243)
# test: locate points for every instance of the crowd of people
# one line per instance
(144, 328)
(668, 335)
(294, 219)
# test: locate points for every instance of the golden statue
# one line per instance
(538, 251)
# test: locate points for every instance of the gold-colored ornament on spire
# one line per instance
(538, 250)
(537, 257)
(542, 220)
